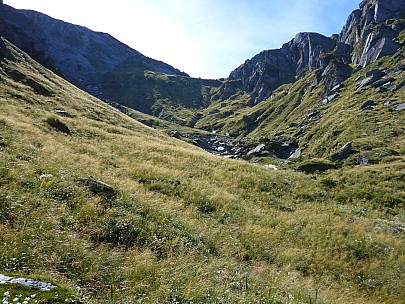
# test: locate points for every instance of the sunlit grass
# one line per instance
(184, 226)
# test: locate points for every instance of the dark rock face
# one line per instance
(365, 38)
(263, 73)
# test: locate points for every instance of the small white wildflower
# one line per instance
(7, 294)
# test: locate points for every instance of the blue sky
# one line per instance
(204, 38)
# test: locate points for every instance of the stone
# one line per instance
(43, 286)
(382, 82)
(365, 82)
(216, 111)
(343, 152)
(98, 187)
(398, 68)
(274, 167)
(368, 104)
(387, 85)
(63, 113)
(256, 151)
(363, 159)
(400, 107)
(176, 134)
(376, 74)
(297, 154)
(381, 90)
(330, 98)
(310, 168)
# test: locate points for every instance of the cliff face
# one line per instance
(371, 30)
(368, 35)
(269, 69)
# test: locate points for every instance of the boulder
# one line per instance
(63, 113)
(330, 98)
(343, 152)
(216, 111)
(310, 168)
(368, 105)
(364, 159)
(400, 107)
(365, 82)
(297, 154)
(382, 82)
(381, 90)
(176, 134)
(256, 151)
(43, 286)
(98, 187)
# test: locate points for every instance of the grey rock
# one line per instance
(400, 107)
(297, 154)
(370, 43)
(381, 90)
(43, 286)
(367, 104)
(364, 159)
(365, 82)
(63, 113)
(330, 98)
(343, 152)
(176, 134)
(382, 81)
(256, 151)
(216, 111)
(398, 68)
(310, 168)
(376, 74)
(260, 75)
(98, 187)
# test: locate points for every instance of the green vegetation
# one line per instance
(184, 226)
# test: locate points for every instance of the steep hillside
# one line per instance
(316, 94)
(111, 211)
(103, 66)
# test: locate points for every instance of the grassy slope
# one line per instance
(150, 92)
(185, 226)
(294, 107)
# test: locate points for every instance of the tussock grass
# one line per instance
(184, 226)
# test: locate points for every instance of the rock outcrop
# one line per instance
(266, 71)
(367, 36)
(371, 30)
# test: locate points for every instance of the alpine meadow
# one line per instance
(124, 180)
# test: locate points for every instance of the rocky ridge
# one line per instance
(74, 52)
(368, 35)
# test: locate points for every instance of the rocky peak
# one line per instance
(381, 10)
(369, 31)
(263, 73)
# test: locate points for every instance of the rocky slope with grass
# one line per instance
(102, 65)
(316, 94)
(107, 210)
(100, 203)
